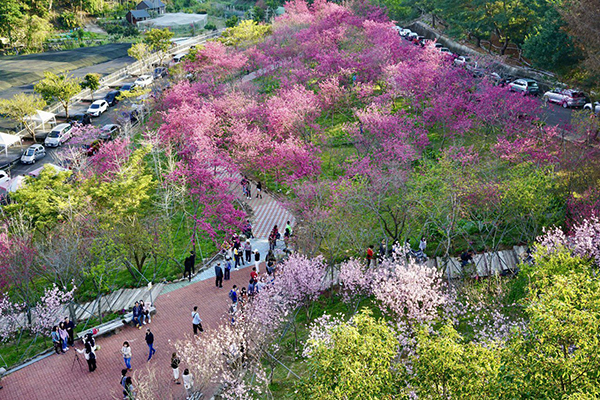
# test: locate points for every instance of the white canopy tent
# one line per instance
(8, 140)
(41, 117)
(36, 172)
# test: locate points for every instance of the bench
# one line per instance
(112, 326)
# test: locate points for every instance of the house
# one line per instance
(134, 16)
(155, 6)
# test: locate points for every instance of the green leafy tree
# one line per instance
(92, 82)
(20, 107)
(139, 51)
(549, 46)
(158, 41)
(45, 200)
(59, 88)
(11, 19)
(355, 364)
(232, 21)
(247, 33)
(445, 367)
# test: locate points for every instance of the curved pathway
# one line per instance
(58, 377)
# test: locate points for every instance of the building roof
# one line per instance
(139, 14)
(151, 4)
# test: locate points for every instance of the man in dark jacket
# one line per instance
(218, 276)
(150, 343)
(70, 327)
(137, 313)
(189, 264)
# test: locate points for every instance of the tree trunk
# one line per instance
(477, 41)
(504, 46)
(99, 308)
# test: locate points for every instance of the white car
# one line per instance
(464, 61)
(33, 153)
(4, 177)
(404, 32)
(144, 80)
(58, 135)
(97, 108)
(588, 107)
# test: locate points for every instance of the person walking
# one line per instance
(70, 327)
(123, 382)
(256, 259)
(89, 355)
(196, 321)
(233, 294)
(64, 336)
(150, 343)
(248, 251)
(218, 276)
(175, 367)
(188, 381)
(189, 265)
(258, 190)
(126, 352)
(370, 255)
(56, 340)
(236, 256)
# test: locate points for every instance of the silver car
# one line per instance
(565, 97)
(33, 153)
(525, 86)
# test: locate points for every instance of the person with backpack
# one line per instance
(233, 294)
(89, 355)
(196, 321)
(150, 343)
(175, 367)
(126, 352)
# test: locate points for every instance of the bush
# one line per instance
(210, 27)
(232, 21)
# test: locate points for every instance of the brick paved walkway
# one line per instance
(52, 378)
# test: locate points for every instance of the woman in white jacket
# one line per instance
(126, 352)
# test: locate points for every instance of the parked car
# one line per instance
(438, 45)
(127, 86)
(565, 97)
(112, 98)
(404, 32)
(588, 107)
(463, 61)
(418, 41)
(160, 72)
(58, 135)
(4, 177)
(525, 86)
(177, 59)
(109, 132)
(33, 153)
(81, 118)
(445, 51)
(144, 80)
(97, 108)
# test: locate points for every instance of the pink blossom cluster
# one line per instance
(11, 318)
(50, 309)
(583, 241)
(320, 331)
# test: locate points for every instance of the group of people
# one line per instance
(275, 235)
(63, 335)
(89, 351)
(247, 188)
(419, 255)
(141, 313)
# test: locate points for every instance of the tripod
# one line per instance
(78, 360)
